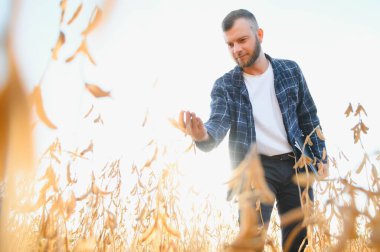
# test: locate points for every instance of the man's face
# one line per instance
(243, 43)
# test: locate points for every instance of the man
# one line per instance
(262, 100)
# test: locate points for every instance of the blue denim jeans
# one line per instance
(278, 174)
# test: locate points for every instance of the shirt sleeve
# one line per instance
(219, 122)
(308, 118)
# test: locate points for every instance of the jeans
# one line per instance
(278, 174)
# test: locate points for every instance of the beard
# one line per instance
(254, 56)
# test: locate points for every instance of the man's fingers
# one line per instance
(193, 123)
(181, 122)
(188, 122)
(199, 123)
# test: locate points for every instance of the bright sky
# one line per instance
(180, 45)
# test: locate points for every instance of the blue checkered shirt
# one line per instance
(231, 111)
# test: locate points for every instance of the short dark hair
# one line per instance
(230, 19)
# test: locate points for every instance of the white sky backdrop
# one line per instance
(180, 44)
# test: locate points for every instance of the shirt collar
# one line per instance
(237, 72)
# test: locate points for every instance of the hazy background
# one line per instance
(164, 56)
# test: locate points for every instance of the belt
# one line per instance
(286, 156)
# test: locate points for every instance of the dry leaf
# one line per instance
(70, 204)
(76, 13)
(98, 119)
(359, 109)
(134, 191)
(111, 220)
(68, 175)
(362, 164)
(150, 143)
(356, 136)
(168, 228)
(324, 154)
(302, 162)
(40, 108)
(175, 124)
(237, 174)
(53, 156)
(86, 244)
(83, 49)
(63, 5)
(248, 174)
(148, 232)
(363, 128)
(49, 227)
(247, 244)
(88, 149)
(143, 213)
(49, 176)
(149, 162)
(249, 221)
(16, 145)
(291, 216)
(341, 153)
(97, 91)
(4, 128)
(348, 110)
(308, 140)
(58, 45)
(94, 21)
(191, 147)
(145, 118)
(356, 130)
(75, 155)
(320, 134)
(71, 58)
(250, 237)
(303, 179)
(375, 175)
(356, 127)
(89, 112)
(141, 185)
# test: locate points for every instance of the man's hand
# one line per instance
(323, 170)
(193, 126)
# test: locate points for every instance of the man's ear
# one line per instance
(260, 34)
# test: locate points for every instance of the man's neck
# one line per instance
(259, 67)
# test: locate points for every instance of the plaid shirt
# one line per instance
(231, 110)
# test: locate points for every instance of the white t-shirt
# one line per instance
(271, 137)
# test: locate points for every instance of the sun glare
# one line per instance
(98, 86)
